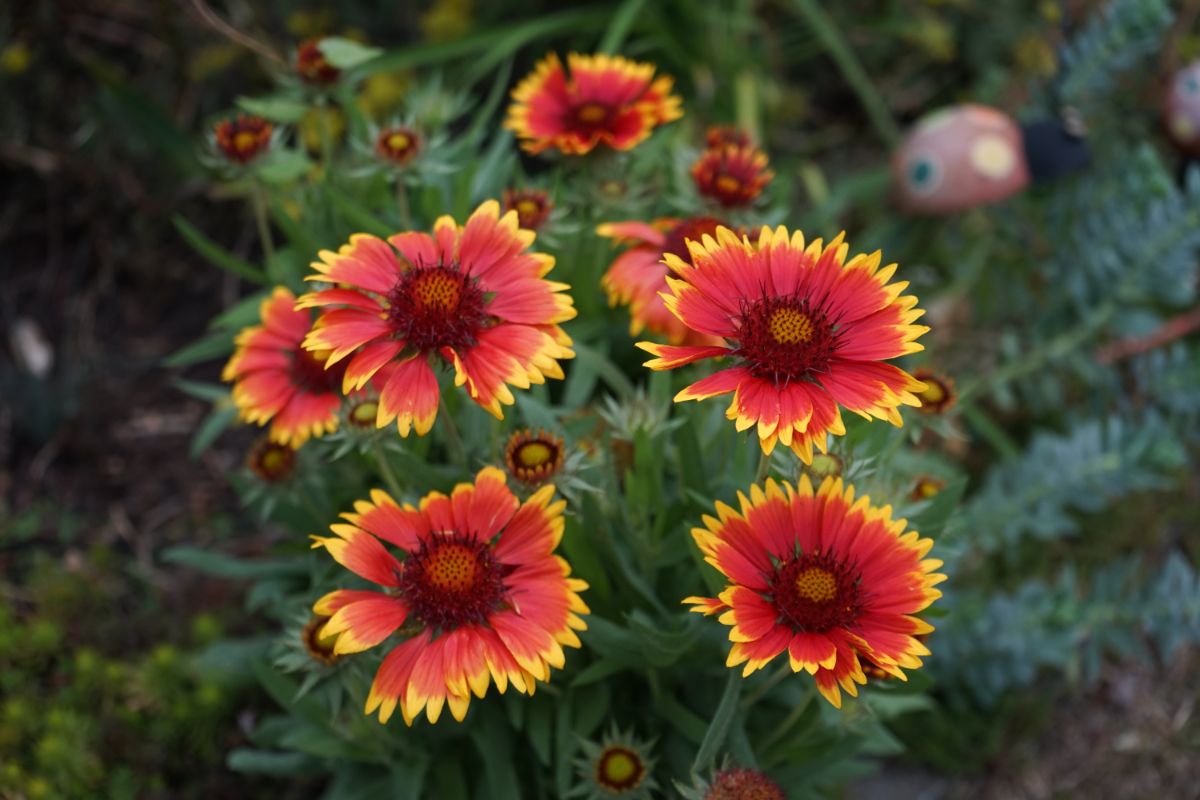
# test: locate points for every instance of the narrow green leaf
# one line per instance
(610, 372)
(246, 759)
(224, 566)
(208, 392)
(216, 423)
(717, 730)
(283, 166)
(206, 349)
(217, 254)
(618, 27)
(276, 108)
(357, 214)
(347, 53)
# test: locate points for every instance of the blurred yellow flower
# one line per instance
(332, 120)
(15, 58)
(447, 19)
(382, 93)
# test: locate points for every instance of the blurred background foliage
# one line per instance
(1070, 498)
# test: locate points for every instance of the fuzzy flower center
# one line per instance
(790, 326)
(533, 457)
(591, 114)
(534, 454)
(245, 140)
(933, 393)
(435, 307)
(815, 592)
(399, 145)
(528, 208)
(815, 585)
(451, 581)
(728, 184)
(784, 339)
(619, 769)
(271, 462)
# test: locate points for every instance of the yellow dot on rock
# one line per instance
(993, 157)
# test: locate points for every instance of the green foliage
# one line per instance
(82, 717)
(1068, 625)
(1057, 478)
(1115, 39)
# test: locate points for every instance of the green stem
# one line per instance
(386, 472)
(764, 467)
(454, 441)
(326, 140)
(1055, 348)
(258, 199)
(778, 677)
(843, 55)
(402, 208)
(788, 722)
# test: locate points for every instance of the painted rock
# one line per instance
(958, 158)
(1181, 109)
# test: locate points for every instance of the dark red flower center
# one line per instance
(244, 138)
(743, 784)
(309, 373)
(270, 461)
(815, 592)
(532, 207)
(937, 396)
(619, 769)
(591, 116)
(435, 307)
(451, 581)
(694, 229)
(533, 457)
(399, 145)
(312, 65)
(785, 339)
(318, 647)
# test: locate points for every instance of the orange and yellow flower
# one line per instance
(720, 135)
(398, 145)
(533, 206)
(830, 579)
(312, 66)
(939, 394)
(472, 296)
(277, 381)
(732, 175)
(533, 458)
(808, 332)
(271, 461)
(243, 139)
(477, 593)
(605, 100)
(638, 276)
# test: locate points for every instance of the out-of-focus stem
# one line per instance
(840, 51)
(258, 199)
(386, 472)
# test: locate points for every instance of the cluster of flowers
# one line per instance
(472, 581)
